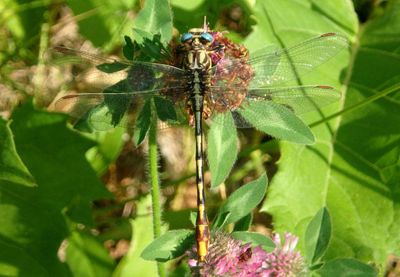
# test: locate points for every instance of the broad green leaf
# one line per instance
(86, 256)
(32, 219)
(132, 264)
(103, 22)
(168, 246)
(277, 121)
(15, 261)
(222, 148)
(109, 145)
(12, 169)
(346, 268)
(242, 202)
(179, 219)
(256, 239)
(353, 168)
(190, 14)
(317, 237)
(109, 113)
(98, 118)
(154, 18)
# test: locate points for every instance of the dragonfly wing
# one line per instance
(299, 100)
(289, 64)
(103, 111)
(270, 68)
(106, 71)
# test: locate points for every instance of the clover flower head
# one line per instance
(229, 257)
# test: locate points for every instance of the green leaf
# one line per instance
(241, 202)
(192, 218)
(277, 121)
(86, 256)
(244, 223)
(168, 246)
(51, 152)
(191, 14)
(24, 19)
(256, 239)
(317, 237)
(109, 146)
(346, 268)
(12, 169)
(222, 147)
(128, 48)
(109, 113)
(154, 18)
(221, 220)
(142, 123)
(117, 105)
(147, 50)
(98, 21)
(99, 118)
(132, 264)
(17, 262)
(165, 110)
(354, 168)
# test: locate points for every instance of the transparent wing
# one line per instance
(268, 68)
(103, 111)
(104, 71)
(299, 99)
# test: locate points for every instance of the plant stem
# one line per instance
(155, 186)
(40, 75)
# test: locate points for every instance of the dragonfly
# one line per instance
(208, 75)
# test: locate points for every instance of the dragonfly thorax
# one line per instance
(197, 60)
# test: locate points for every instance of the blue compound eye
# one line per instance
(186, 36)
(207, 36)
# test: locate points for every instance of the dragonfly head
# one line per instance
(196, 43)
(196, 39)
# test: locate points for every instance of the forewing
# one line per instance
(104, 72)
(271, 68)
(289, 64)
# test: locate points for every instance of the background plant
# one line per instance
(50, 174)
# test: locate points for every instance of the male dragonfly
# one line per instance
(207, 75)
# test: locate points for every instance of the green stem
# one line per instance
(39, 80)
(155, 186)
